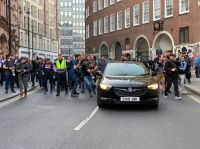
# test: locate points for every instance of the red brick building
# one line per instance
(144, 28)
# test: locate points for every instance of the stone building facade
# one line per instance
(144, 28)
(4, 27)
(43, 28)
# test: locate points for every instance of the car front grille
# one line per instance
(125, 92)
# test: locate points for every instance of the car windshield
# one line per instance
(125, 69)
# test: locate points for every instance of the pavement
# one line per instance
(44, 121)
(11, 95)
(194, 87)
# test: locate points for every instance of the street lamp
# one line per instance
(69, 49)
(28, 13)
(32, 42)
(59, 29)
(10, 34)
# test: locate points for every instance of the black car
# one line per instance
(127, 83)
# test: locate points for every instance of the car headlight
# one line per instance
(153, 86)
(105, 86)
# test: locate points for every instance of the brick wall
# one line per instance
(171, 25)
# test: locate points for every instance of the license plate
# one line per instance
(130, 99)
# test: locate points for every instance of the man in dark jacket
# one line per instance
(48, 75)
(9, 74)
(188, 74)
(23, 70)
(172, 75)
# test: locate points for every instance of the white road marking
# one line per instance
(184, 92)
(86, 120)
(192, 97)
(15, 99)
(8, 101)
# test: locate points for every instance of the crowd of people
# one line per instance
(81, 72)
(171, 69)
(62, 74)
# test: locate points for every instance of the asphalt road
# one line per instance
(47, 122)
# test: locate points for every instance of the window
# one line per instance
(22, 38)
(100, 26)
(95, 28)
(168, 8)
(119, 20)
(100, 4)
(61, 13)
(136, 13)
(127, 18)
(106, 24)
(156, 10)
(112, 22)
(183, 6)
(86, 12)
(33, 11)
(112, 2)
(94, 6)
(105, 3)
(184, 35)
(145, 17)
(61, 4)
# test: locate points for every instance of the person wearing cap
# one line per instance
(48, 75)
(60, 69)
(23, 70)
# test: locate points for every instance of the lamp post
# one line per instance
(59, 30)
(69, 49)
(28, 13)
(32, 42)
(10, 34)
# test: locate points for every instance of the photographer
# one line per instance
(89, 76)
(23, 70)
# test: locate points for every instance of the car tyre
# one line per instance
(100, 102)
(155, 106)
